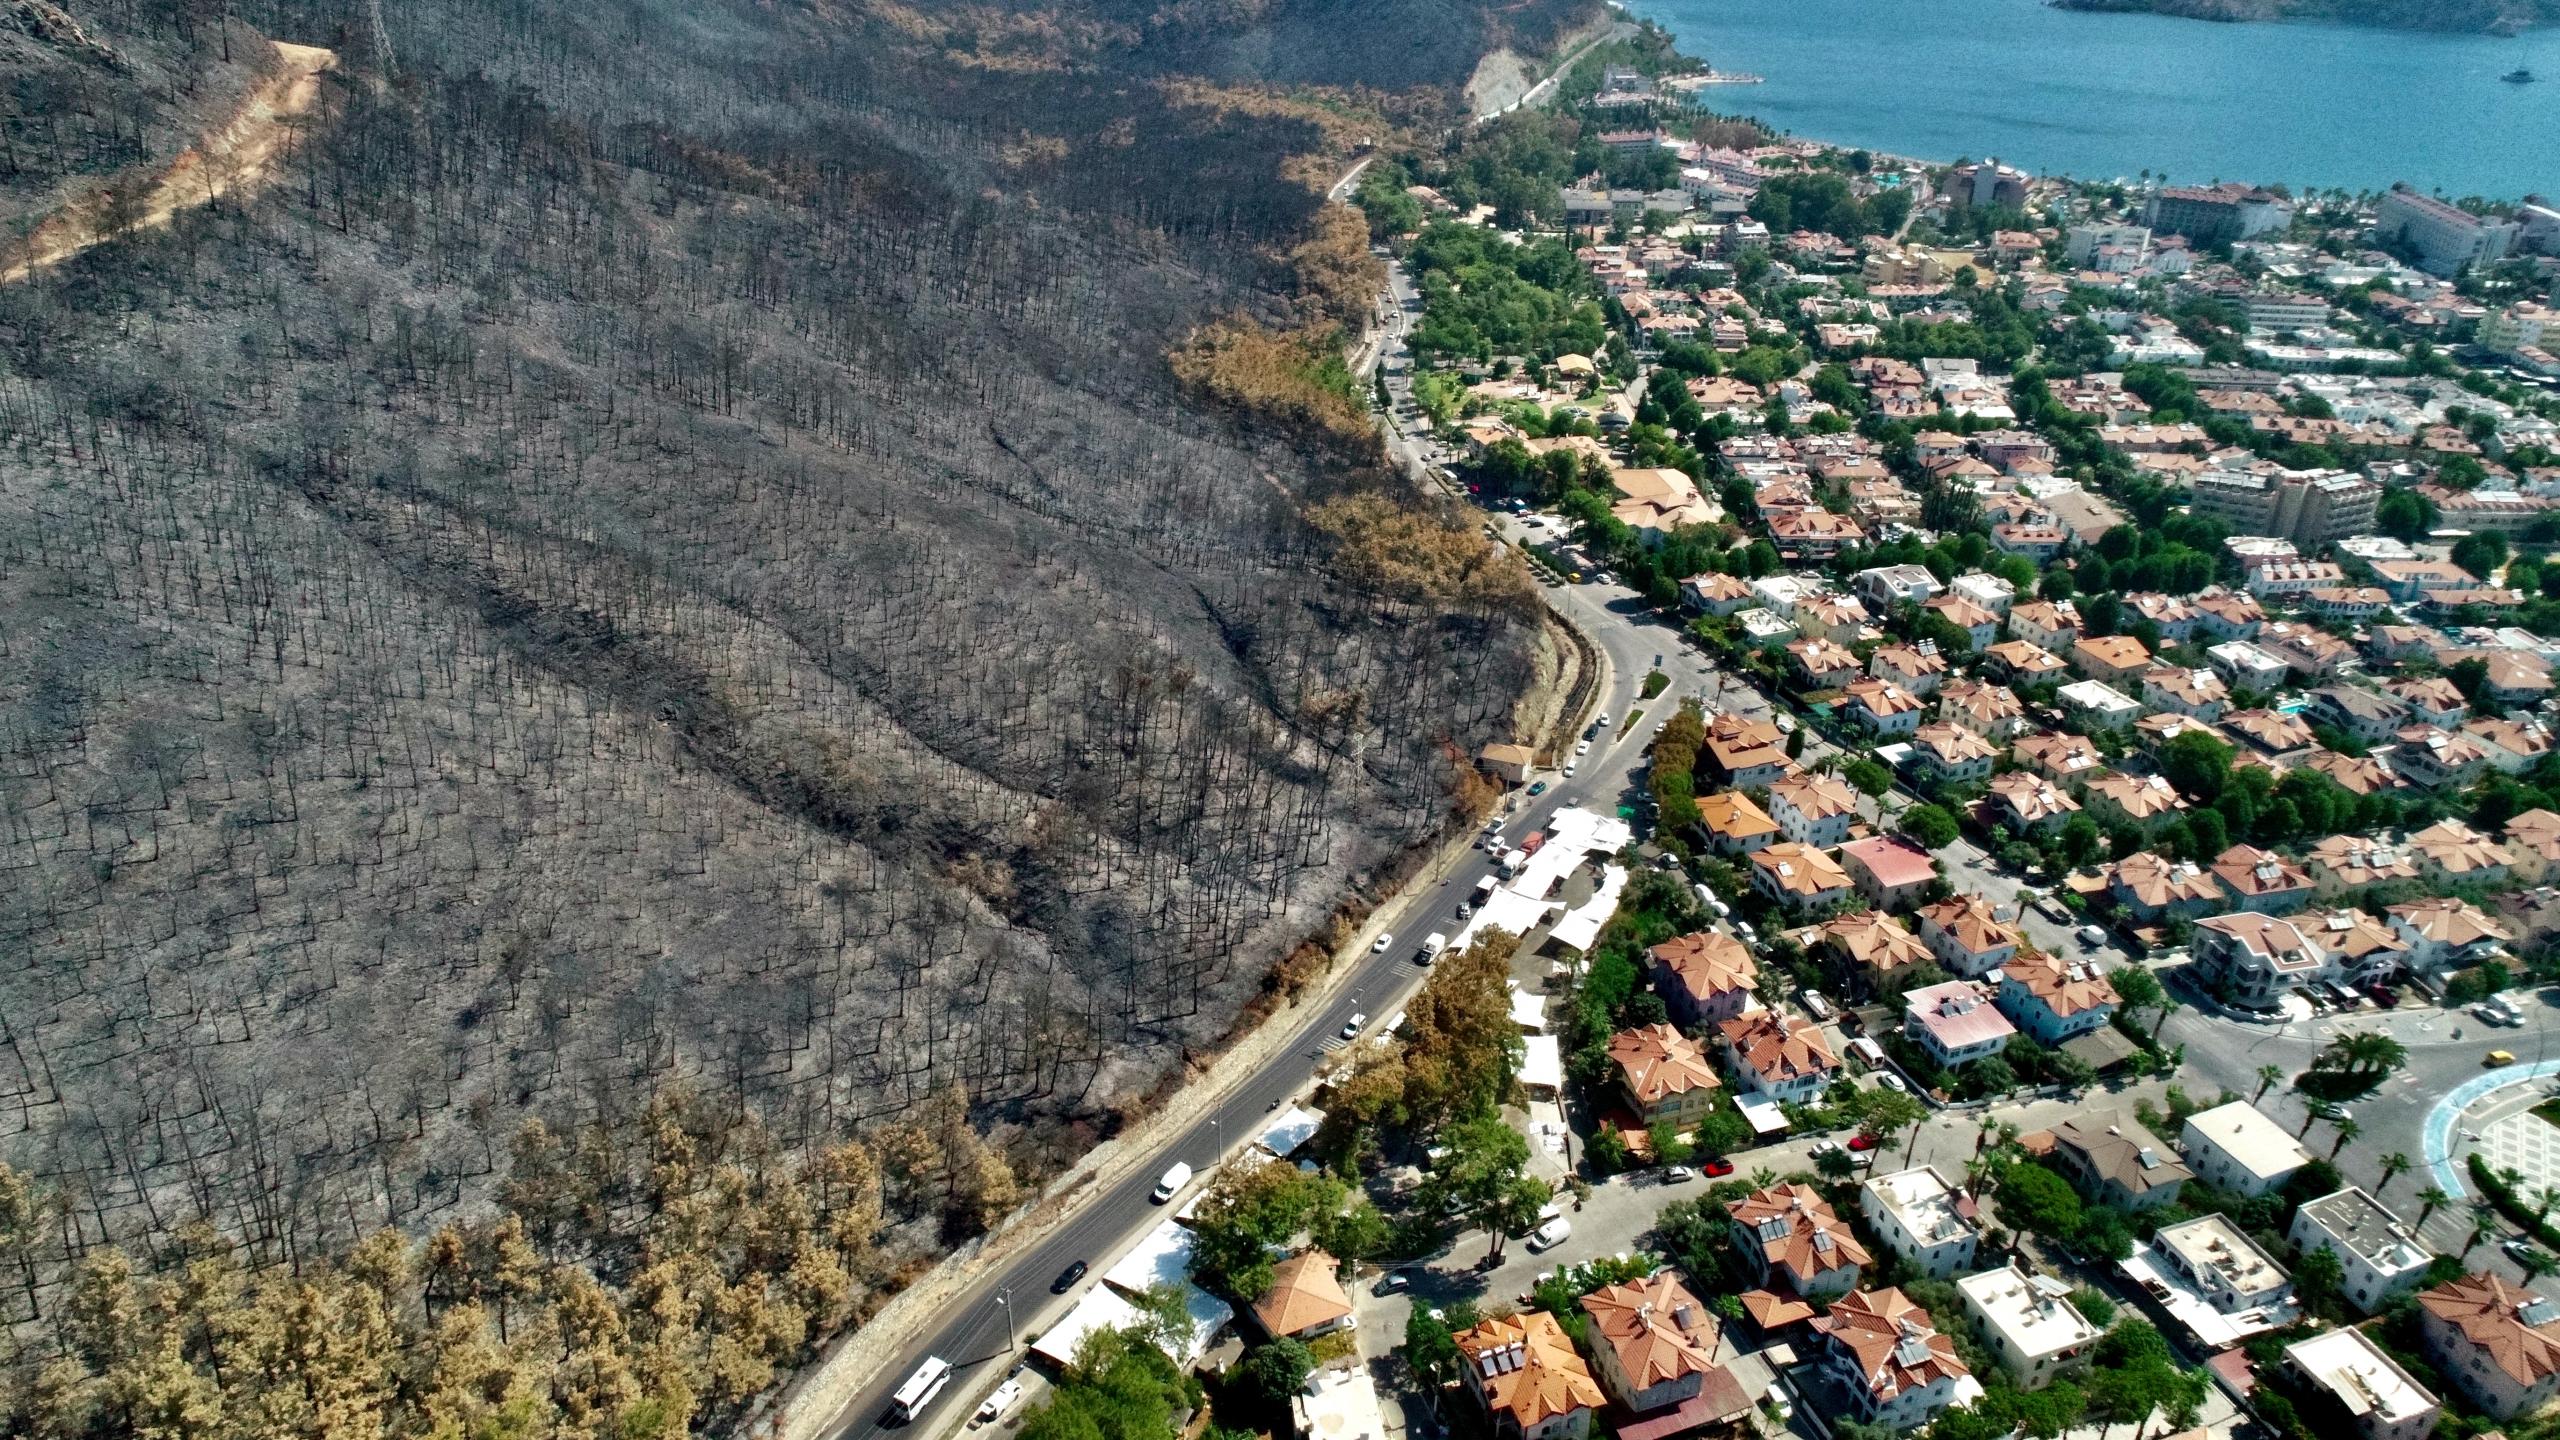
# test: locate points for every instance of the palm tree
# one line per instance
(2480, 1230)
(2169, 1005)
(2394, 1165)
(2268, 1076)
(2429, 1200)
(2543, 1200)
(1763, 1177)
(2347, 1130)
(2535, 1265)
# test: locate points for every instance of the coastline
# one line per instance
(2072, 102)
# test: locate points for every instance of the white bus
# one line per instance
(920, 1389)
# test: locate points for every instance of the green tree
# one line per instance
(1867, 777)
(1278, 1369)
(1930, 826)
(2040, 1202)
(2196, 763)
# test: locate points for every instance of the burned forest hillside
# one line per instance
(664, 550)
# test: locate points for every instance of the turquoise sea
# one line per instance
(2101, 96)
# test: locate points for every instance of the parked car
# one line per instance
(1678, 1173)
(1582, 747)
(1067, 1278)
(1890, 1081)
(1718, 1167)
(998, 1403)
(1539, 788)
(1351, 1027)
(1551, 1234)
(1862, 1141)
(1391, 1283)
(2092, 936)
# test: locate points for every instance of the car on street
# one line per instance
(1677, 1174)
(1891, 1081)
(1391, 1283)
(1384, 940)
(1551, 1234)
(1351, 1027)
(2092, 936)
(1823, 1147)
(1602, 722)
(1067, 1278)
(2498, 1057)
(1582, 747)
(1862, 1141)
(1717, 1167)
(998, 1403)
(1539, 788)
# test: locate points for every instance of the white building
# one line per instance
(2029, 1323)
(2214, 1281)
(2107, 707)
(1921, 1219)
(2233, 1147)
(2380, 1256)
(2377, 1395)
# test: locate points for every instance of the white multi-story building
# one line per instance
(2377, 1395)
(1922, 1220)
(2379, 1256)
(2444, 237)
(2215, 1281)
(2233, 1147)
(2029, 1324)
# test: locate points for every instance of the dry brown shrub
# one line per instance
(1414, 555)
(1280, 374)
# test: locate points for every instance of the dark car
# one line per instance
(1391, 1282)
(1067, 1278)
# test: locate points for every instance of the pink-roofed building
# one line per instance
(1889, 870)
(1956, 1023)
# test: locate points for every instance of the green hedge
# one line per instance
(2511, 1204)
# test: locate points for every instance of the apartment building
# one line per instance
(2029, 1324)
(1922, 1219)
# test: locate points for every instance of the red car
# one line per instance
(1717, 1166)
(1862, 1141)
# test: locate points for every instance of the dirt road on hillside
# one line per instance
(232, 161)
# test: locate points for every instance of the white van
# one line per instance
(1867, 1053)
(1551, 1234)
(1432, 945)
(1172, 1183)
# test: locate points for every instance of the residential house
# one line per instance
(1952, 755)
(2030, 804)
(2262, 880)
(1744, 754)
(2235, 1148)
(2380, 1257)
(2197, 694)
(1798, 877)
(2046, 623)
(1772, 1054)
(2142, 801)
(2438, 759)
(1822, 664)
(1734, 825)
(1830, 617)
(1921, 1218)
(1813, 809)
(2214, 1281)
(2175, 619)
(1883, 707)
(1916, 668)
(2272, 733)
(2070, 760)
(1530, 1380)
(2368, 715)
(1890, 585)
(1955, 1023)
(1989, 591)
(2152, 887)
(2495, 1341)
(1813, 534)
(1978, 624)
(2452, 853)
(2109, 657)
(1876, 948)
(2029, 1324)
(2344, 863)
(2443, 933)
(1664, 1074)
(2025, 662)
(1714, 593)
(2432, 700)
(2361, 1380)
(2246, 667)
(2116, 1162)
(1966, 934)
(2099, 705)
(2532, 843)
(1897, 1370)
(2359, 774)
(2513, 746)
(1888, 870)
(1654, 1345)
(1789, 1233)
(1305, 1299)
(1704, 978)
(1990, 711)
(2306, 650)
(2051, 998)
(2229, 614)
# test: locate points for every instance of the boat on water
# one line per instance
(2518, 76)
